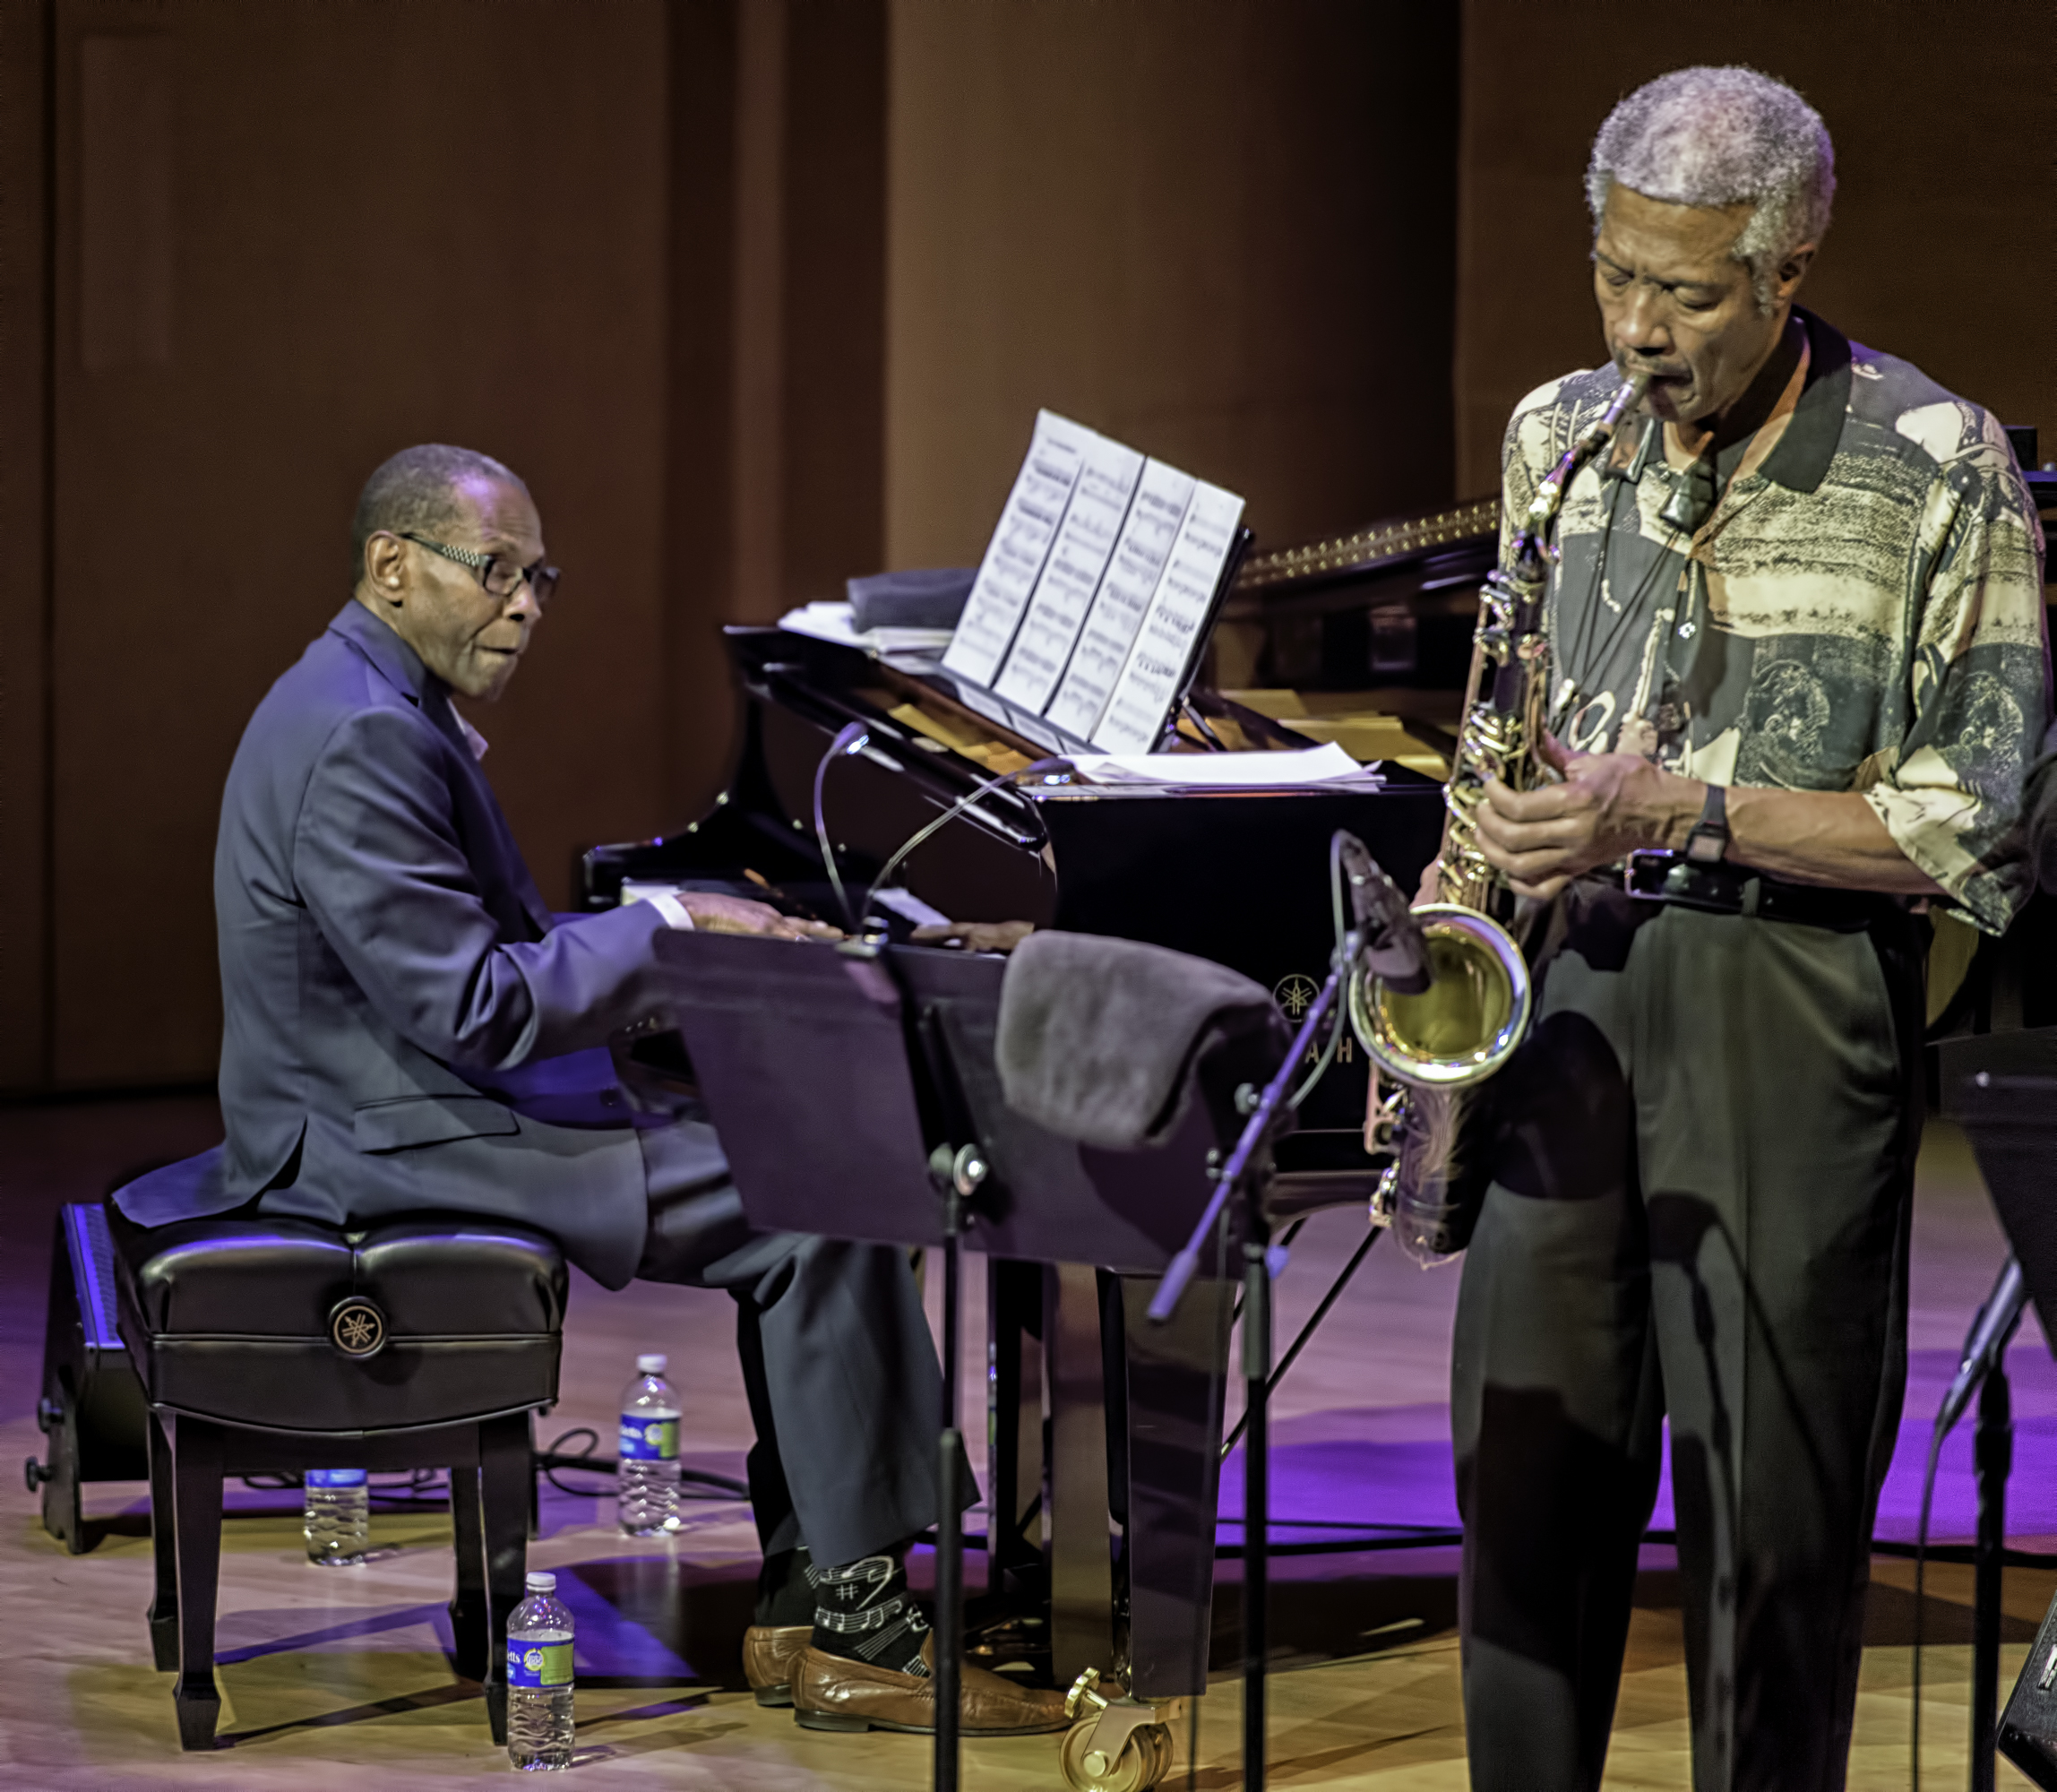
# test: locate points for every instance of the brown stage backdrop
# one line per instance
(759, 293)
(1944, 245)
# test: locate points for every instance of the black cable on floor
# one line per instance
(1321, 1313)
(556, 1456)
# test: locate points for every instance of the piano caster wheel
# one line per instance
(1116, 1744)
(1144, 1760)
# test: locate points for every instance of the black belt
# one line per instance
(1735, 890)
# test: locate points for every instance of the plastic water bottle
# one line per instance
(336, 1517)
(539, 1723)
(647, 1482)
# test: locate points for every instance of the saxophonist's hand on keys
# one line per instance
(1608, 805)
(713, 914)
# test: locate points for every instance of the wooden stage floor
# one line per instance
(338, 1678)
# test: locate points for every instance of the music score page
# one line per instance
(1125, 591)
(1072, 573)
(1168, 638)
(1015, 556)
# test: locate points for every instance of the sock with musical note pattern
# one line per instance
(864, 1612)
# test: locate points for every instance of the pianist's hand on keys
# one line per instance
(714, 914)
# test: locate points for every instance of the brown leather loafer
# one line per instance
(831, 1693)
(768, 1653)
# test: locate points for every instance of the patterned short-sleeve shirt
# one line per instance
(1862, 610)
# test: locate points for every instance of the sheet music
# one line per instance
(1078, 562)
(1020, 546)
(1168, 639)
(1311, 765)
(1162, 495)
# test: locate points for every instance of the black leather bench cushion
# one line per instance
(434, 1278)
(229, 1318)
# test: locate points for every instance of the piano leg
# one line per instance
(1169, 1417)
(1014, 1540)
(1162, 1440)
(1081, 1572)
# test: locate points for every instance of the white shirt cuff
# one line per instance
(673, 910)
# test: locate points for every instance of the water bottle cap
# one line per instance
(540, 1582)
(651, 1366)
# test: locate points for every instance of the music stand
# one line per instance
(1043, 1197)
(802, 1055)
(855, 1095)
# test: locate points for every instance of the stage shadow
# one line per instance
(1889, 1619)
(248, 1636)
(428, 1698)
(1347, 1606)
(95, 1531)
(657, 1621)
(1316, 1768)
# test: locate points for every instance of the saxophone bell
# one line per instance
(1468, 1021)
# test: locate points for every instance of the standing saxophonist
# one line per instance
(1797, 667)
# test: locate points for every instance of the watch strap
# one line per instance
(1708, 843)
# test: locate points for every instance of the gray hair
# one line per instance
(417, 489)
(1717, 136)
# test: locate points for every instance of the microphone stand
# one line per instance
(1984, 1363)
(1982, 1367)
(1262, 1261)
(1993, 1459)
(957, 1172)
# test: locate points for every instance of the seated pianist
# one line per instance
(399, 1005)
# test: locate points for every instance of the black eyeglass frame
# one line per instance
(540, 579)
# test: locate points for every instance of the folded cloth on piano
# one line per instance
(1096, 1036)
(929, 597)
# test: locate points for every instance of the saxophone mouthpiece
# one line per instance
(1628, 395)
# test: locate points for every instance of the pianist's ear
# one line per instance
(385, 572)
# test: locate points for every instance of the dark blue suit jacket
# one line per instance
(391, 980)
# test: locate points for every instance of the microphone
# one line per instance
(1989, 1336)
(1393, 949)
(851, 737)
(1693, 499)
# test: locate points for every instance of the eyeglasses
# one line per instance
(501, 577)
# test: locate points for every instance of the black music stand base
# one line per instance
(949, 1520)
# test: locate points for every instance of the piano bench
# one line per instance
(270, 1346)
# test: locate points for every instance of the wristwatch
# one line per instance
(1708, 843)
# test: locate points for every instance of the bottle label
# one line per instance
(538, 1663)
(648, 1440)
(335, 1478)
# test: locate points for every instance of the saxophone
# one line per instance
(1430, 1049)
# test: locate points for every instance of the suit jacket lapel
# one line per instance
(401, 667)
(512, 868)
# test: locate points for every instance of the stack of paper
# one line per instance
(832, 622)
(1220, 771)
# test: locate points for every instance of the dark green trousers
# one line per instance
(1702, 1161)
